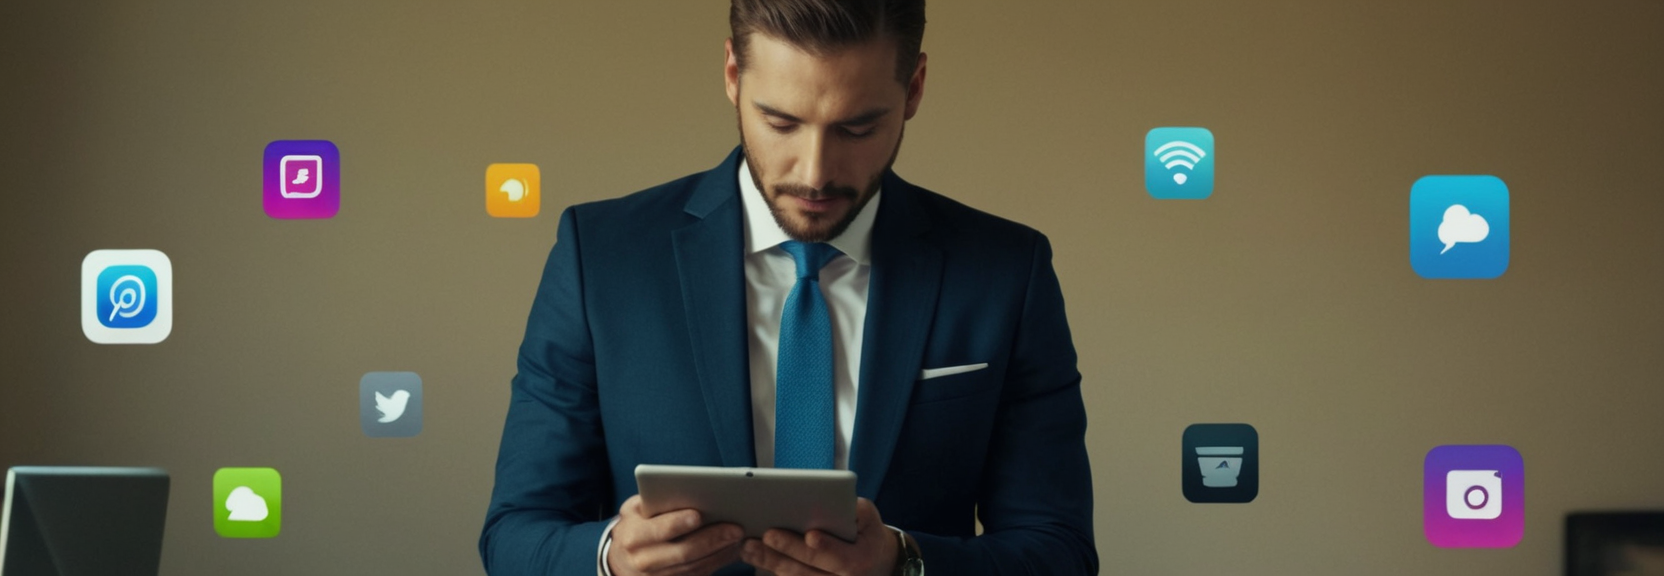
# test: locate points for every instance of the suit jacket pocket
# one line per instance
(955, 386)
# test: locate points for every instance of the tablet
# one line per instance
(755, 498)
(83, 520)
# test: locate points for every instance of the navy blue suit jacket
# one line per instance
(636, 353)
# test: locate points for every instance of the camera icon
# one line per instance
(1473, 494)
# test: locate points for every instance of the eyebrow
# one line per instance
(866, 117)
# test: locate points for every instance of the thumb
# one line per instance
(866, 515)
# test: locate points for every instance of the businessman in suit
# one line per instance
(801, 306)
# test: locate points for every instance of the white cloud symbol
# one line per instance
(1462, 226)
(245, 505)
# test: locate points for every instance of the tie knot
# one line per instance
(810, 257)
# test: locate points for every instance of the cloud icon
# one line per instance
(245, 505)
(1459, 225)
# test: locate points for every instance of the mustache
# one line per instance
(810, 193)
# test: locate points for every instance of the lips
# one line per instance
(819, 205)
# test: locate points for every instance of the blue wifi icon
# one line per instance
(1178, 163)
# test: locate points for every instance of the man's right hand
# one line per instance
(672, 543)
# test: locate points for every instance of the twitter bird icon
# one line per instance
(390, 404)
(392, 408)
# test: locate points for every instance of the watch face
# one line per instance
(913, 567)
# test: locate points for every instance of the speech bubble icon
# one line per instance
(1461, 226)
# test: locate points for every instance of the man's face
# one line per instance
(819, 131)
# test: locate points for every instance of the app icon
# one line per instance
(390, 404)
(302, 179)
(126, 296)
(1220, 463)
(1178, 163)
(248, 502)
(1459, 227)
(511, 190)
(1473, 497)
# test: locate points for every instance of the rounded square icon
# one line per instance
(301, 179)
(390, 404)
(126, 296)
(248, 502)
(1459, 227)
(1473, 496)
(1220, 463)
(1178, 163)
(511, 190)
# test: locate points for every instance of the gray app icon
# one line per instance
(390, 404)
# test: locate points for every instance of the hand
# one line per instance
(672, 543)
(788, 553)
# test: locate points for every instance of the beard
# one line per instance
(816, 227)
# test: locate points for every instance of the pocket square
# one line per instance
(929, 373)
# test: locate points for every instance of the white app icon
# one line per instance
(1461, 226)
(515, 188)
(392, 408)
(246, 506)
(1473, 494)
(302, 176)
(126, 296)
(1220, 465)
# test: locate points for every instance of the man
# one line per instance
(800, 305)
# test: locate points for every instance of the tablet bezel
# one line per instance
(755, 498)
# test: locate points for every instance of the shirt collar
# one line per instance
(762, 232)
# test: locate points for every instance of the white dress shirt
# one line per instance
(770, 274)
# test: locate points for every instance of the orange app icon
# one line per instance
(511, 190)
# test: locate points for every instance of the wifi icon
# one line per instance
(1178, 163)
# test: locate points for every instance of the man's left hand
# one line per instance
(787, 553)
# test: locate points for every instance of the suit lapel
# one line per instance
(710, 263)
(901, 302)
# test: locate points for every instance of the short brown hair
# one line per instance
(823, 26)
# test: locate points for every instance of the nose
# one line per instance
(818, 163)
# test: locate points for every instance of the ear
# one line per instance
(915, 89)
(731, 72)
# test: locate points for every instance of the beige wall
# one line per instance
(1285, 301)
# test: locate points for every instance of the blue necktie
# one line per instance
(803, 395)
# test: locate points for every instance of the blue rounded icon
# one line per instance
(1459, 227)
(126, 296)
(1178, 163)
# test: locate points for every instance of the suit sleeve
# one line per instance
(1036, 499)
(553, 488)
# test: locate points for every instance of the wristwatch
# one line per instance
(908, 561)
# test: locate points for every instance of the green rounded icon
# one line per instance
(248, 502)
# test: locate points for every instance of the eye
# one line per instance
(782, 128)
(858, 134)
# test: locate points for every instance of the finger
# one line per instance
(722, 557)
(795, 547)
(866, 515)
(635, 531)
(827, 543)
(711, 538)
(675, 524)
(763, 557)
(717, 543)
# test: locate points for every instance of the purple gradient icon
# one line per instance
(302, 179)
(1473, 497)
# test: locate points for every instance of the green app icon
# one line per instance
(248, 502)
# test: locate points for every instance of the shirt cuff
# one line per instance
(602, 548)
